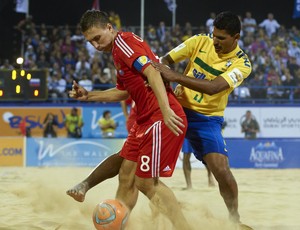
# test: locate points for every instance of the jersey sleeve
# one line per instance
(185, 49)
(134, 53)
(241, 66)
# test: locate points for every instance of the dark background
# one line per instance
(61, 12)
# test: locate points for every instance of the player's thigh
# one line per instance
(217, 163)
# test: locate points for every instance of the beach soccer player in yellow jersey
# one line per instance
(216, 66)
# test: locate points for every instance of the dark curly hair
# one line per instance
(228, 21)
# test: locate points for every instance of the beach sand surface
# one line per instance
(35, 199)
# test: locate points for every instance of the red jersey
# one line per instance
(131, 56)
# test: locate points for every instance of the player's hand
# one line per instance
(166, 72)
(78, 92)
(173, 122)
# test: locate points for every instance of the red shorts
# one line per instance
(154, 147)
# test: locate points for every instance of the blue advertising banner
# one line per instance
(91, 116)
(296, 13)
(264, 153)
(69, 152)
(88, 152)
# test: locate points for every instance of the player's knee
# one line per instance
(146, 186)
(221, 173)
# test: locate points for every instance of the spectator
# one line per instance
(85, 81)
(42, 63)
(6, 65)
(96, 79)
(242, 92)
(270, 25)
(151, 34)
(161, 31)
(26, 26)
(82, 65)
(257, 82)
(273, 83)
(77, 37)
(73, 124)
(69, 59)
(287, 80)
(249, 126)
(103, 81)
(293, 66)
(209, 22)
(294, 51)
(58, 87)
(30, 53)
(69, 75)
(29, 63)
(50, 125)
(249, 24)
(107, 124)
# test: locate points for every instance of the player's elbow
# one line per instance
(213, 90)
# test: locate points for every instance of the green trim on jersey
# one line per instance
(207, 68)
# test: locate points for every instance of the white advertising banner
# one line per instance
(274, 122)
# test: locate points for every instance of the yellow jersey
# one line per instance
(107, 123)
(73, 122)
(205, 63)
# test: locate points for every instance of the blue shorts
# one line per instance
(186, 147)
(204, 133)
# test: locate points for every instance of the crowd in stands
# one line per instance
(273, 49)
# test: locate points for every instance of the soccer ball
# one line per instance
(110, 214)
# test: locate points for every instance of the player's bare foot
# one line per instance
(78, 191)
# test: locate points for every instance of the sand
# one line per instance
(35, 199)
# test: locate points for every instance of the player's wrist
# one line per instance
(179, 78)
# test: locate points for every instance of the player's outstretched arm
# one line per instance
(110, 95)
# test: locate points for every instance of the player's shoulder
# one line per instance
(128, 36)
(124, 34)
(242, 56)
(204, 36)
(201, 38)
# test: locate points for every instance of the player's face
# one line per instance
(223, 42)
(100, 37)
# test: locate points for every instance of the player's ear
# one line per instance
(109, 27)
(237, 36)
